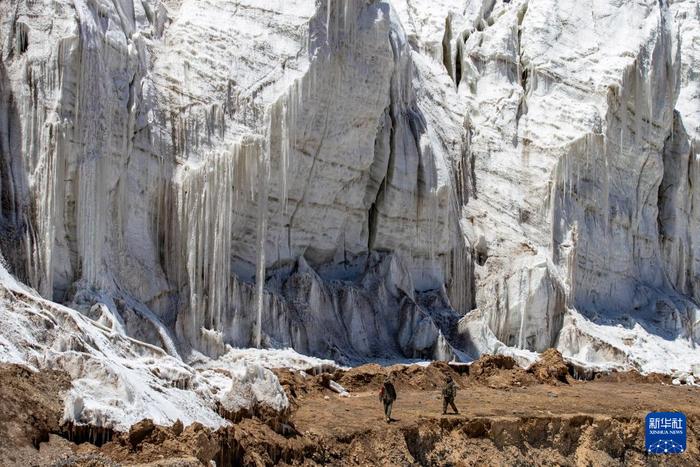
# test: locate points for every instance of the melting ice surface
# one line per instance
(118, 381)
(559, 154)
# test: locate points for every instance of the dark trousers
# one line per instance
(387, 408)
(451, 402)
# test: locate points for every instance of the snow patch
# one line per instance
(278, 358)
(118, 381)
(640, 346)
(250, 386)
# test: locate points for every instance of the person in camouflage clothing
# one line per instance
(387, 395)
(449, 392)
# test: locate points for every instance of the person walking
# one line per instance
(387, 395)
(449, 392)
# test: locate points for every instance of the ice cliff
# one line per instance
(368, 179)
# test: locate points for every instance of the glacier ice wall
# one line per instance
(405, 178)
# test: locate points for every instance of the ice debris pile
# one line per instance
(353, 179)
(118, 381)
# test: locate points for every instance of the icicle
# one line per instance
(329, 7)
(650, 100)
(283, 116)
(262, 195)
(606, 187)
(209, 199)
(623, 117)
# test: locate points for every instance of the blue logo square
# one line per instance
(665, 433)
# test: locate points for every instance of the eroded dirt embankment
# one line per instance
(508, 416)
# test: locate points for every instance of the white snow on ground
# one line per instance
(118, 381)
(245, 386)
(641, 347)
(278, 358)
(600, 347)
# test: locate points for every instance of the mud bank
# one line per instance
(508, 416)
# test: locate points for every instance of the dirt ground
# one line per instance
(337, 415)
(508, 416)
(30, 409)
(581, 423)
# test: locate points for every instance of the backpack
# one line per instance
(389, 391)
(449, 390)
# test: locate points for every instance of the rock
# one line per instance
(177, 427)
(30, 407)
(140, 431)
(499, 372)
(550, 368)
(203, 444)
(488, 364)
(342, 392)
